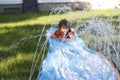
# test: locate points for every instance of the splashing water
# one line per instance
(98, 34)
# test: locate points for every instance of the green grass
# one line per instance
(16, 65)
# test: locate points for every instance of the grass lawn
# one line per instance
(16, 64)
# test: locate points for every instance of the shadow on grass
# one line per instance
(13, 36)
(16, 17)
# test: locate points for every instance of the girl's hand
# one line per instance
(71, 36)
(53, 36)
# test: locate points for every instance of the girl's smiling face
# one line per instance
(63, 29)
(63, 25)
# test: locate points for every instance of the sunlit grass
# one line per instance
(14, 60)
(41, 20)
(16, 67)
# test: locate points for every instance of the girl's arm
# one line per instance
(55, 37)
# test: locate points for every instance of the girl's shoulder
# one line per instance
(71, 29)
(58, 34)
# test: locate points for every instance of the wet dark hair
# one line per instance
(64, 22)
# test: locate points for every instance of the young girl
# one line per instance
(69, 59)
(63, 31)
